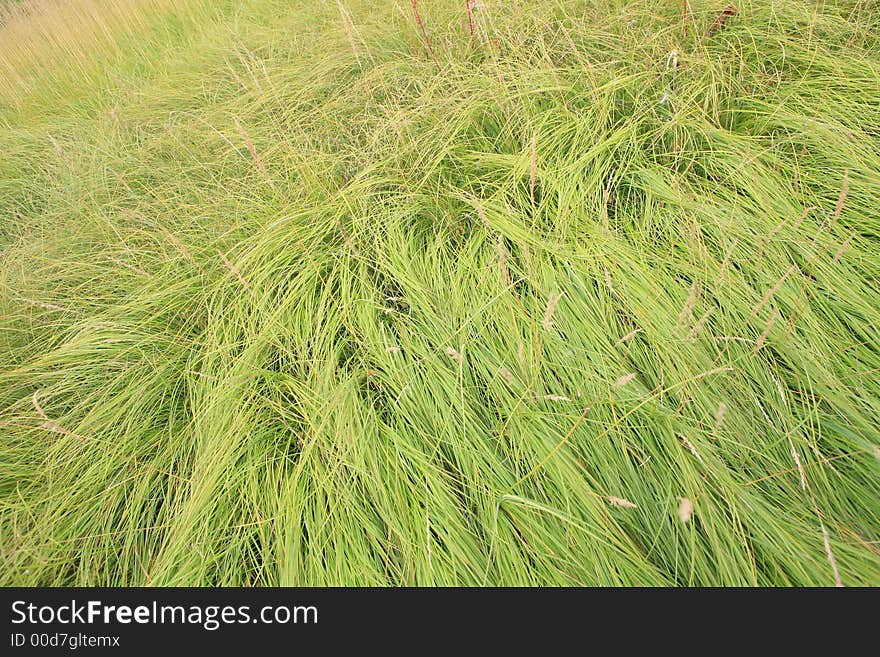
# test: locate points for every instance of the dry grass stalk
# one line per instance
(550, 310)
(533, 167)
(797, 462)
(699, 325)
(42, 304)
(719, 415)
(773, 290)
(693, 450)
(606, 198)
(838, 582)
(130, 266)
(621, 502)
(233, 269)
(502, 261)
(251, 148)
(687, 312)
(762, 339)
(803, 216)
(844, 190)
(627, 337)
(481, 213)
(348, 241)
(47, 423)
(722, 270)
(842, 248)
(454, 354)
(61, 153)
(349, 30)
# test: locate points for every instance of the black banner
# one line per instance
(123, 621)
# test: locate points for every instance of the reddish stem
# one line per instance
(415, 6)
(684, 16)
(728, 12)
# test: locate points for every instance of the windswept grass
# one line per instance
(537, 293)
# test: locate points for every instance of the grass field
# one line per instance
(533, 292)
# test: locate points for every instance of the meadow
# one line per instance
(382, 292)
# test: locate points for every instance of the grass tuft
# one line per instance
(440, 293)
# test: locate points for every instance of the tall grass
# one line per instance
(537, 293)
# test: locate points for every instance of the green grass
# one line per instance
(288, 297)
